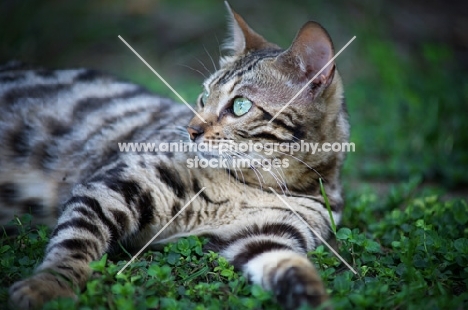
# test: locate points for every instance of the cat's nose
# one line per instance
(194, 132)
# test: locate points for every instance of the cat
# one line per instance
(60, 161)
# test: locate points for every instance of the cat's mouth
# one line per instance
(212, 148)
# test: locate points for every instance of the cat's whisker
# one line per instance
(173, 130)
(255, 170)
(257, 173)
(281, 182)
(279, 179)
(183, 132)
(281, 174)
(212, 61)
(193, 69)
(203, 66)
(295, 139)
(227, 157)
(301, 161)
(180, 130)
(240, 170)
(231, 156)
(219, 47)
(282, 177)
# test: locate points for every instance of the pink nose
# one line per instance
(194, 132)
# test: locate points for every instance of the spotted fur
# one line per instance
(59, 160)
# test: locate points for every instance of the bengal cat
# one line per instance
(59, 160)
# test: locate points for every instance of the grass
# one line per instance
(407, 239)
(410, 250)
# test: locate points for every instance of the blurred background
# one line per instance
(405, 75)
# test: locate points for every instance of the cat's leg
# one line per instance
(291, 276)
(112, 206)
(84, 232)
(271, 251)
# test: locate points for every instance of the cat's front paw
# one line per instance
(298, 286)
(296, 282)
(32, 293)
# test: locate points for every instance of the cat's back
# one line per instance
(78, 109)
(68, 97)
(57, 127)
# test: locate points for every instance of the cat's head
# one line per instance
(258, 80)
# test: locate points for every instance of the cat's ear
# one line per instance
(242, 38)
(310, 51)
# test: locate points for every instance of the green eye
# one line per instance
(241, 106)
(205, 96)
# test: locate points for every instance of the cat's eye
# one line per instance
(241, 106)
(205, 96)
